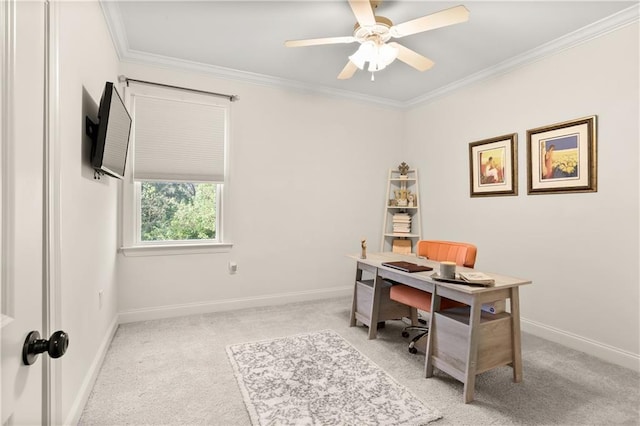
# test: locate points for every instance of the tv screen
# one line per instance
(110, 135)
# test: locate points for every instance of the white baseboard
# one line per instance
(583, 344)
(90, 378)
(170, 311)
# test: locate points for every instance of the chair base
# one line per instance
(423, 331)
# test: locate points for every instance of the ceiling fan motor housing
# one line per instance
(380, 31)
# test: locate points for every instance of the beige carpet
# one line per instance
(176, 371)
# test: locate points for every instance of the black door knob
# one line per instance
(56, 346)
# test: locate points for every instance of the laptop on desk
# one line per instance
(407, 266)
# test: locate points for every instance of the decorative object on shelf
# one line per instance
(363, 246)
(402, 196)
(403, 168)
(562, 157)
(493, 166)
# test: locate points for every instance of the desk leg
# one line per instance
(375, 307)
(515, 338)
(352, 321)
(435, 307)
(472, 356)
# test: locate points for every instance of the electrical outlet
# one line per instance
(233, 267)
(100, 294)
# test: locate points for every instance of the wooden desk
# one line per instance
(462, 342)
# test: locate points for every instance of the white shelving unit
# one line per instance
(402, 197)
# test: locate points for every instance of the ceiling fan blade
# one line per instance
(363, 12)
(455, 15)
(414, 59)
(319, 41)
(348, 71)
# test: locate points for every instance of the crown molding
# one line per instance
(144, 58)
(597, 29)
(113, 17)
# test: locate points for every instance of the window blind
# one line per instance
(178, 140)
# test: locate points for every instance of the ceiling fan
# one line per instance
(374, 32)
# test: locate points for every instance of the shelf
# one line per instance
(399, 234)
(406, 189)
(461, 315)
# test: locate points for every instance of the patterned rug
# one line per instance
(320, 379)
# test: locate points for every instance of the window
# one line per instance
(177, 169)
(176, 211)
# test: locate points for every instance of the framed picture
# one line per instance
(562, 157)
(493, 165)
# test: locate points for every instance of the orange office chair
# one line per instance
(463, 254)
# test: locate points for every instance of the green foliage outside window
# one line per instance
(177, 211)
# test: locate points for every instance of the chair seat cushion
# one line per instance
(418, 299)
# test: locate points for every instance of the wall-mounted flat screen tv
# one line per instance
(110, 135)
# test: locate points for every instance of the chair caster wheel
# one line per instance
(405, 334)
(413, 351)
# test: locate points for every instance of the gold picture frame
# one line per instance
(493, 166)
(562, 157)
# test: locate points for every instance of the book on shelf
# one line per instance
(496, 307)
(402, 225)
(476, 277)
(402, 230)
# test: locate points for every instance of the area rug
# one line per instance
(320, 379)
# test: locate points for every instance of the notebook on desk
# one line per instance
(407, 266)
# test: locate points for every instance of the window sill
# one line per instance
(176, 249)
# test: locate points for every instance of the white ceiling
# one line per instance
(245, 39)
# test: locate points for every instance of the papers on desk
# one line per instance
(477, 278)
(459, 280)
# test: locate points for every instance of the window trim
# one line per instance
(175, 249)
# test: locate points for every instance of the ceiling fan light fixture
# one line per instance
(377, 55)
(364, 54)
(387, 54)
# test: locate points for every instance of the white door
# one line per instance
(22, 128)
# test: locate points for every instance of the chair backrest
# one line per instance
(464, 254)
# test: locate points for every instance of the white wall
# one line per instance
(89, 208)
(581, 250)
(307, 179)
(308, 176)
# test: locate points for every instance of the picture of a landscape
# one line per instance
(559, 157)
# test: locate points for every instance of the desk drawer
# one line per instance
(451, 340)
(388, 309)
